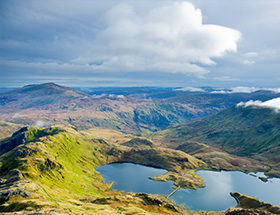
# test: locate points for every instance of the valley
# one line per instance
(126, 110)
(139, 107)
(50, 165)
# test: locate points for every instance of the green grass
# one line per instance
(62, 163)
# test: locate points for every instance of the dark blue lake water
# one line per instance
(215, 196)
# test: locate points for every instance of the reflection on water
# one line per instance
(215, 196)
(130, 177)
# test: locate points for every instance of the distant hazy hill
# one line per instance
(39, 96)
(50, 104)
(131, 110)
(251, 132)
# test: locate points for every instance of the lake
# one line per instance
(129, 177)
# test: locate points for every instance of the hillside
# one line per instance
(53, 169)
(40, 96)
(130, 110)
(47, 104)
(247, 132)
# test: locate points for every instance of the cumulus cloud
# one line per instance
(273, 104)
(191, 89)
(114, 38)
(169, 38)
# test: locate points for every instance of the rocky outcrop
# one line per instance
(189, 180)
(240, 211)
(138, 142)
(248, 202)
(144, 199)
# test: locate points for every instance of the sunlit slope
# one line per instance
(249, 132)
(54, 169)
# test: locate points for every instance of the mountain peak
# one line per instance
(49, 85)
(40, 95)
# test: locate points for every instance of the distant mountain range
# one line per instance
(131, 110)
(51, 169)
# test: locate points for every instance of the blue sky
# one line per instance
(140, 43)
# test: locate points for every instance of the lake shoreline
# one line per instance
(183, 193)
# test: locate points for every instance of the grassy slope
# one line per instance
(55, 169)
(53, 172)
(244, 131)
(61, 163)
(248, 202)
(249, 132)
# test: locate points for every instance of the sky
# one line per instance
(162, 43)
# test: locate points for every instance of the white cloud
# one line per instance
(120, 96)
(250, 54)
(40, 123)
(273, 104)
(191, 89)
(237, 90)
(245, 90)
(116, 96)
(275, 90)
(99, 96)
(148, 36)
(248, 62)
(169, 38)
(17, 115)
